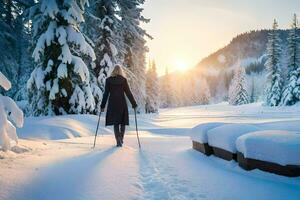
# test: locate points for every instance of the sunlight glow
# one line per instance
(181, 65)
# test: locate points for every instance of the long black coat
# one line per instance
(117, 110)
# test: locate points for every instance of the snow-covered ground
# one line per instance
(166, 167)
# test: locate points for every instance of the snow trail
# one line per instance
(160, 180)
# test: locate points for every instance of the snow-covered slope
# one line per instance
(246, 49)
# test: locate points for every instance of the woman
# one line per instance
(117, 112)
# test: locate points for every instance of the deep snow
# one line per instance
(165, 168)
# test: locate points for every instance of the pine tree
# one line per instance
(134, 46)
(252, 95)
(9, 42)
(221, 89)
(166, 92)
(9, 6)
(272, 64)
(238, 94)
(25, 61)
(149, 90)
(155, 87)
(152, 90)
(205, 96)
(59, 83)
(291, 93)
(15, 63)
(102, 27)
(196, 90)
(192, 95)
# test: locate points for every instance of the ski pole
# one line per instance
(136, 128)
(97, 129)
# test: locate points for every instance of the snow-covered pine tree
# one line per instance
(205, 96)
(291, 93)
(274, 88)
(24, 59)
(134, 46)
(155, 87)
(167, 98)
(10, 114)
(14, 42)
(162, 90)
(59, 83)
(102, 27)
(149, 94)
(9, 42)
(221, 90)
(152, 90)
(191, 94)
(252, 95)
(238, 94)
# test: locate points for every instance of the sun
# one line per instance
(181, 65)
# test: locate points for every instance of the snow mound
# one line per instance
(61, 127)
(199, 133)
(276, 146)
(225, 136)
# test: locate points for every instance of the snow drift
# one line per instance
(61, 127)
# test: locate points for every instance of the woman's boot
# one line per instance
(120, 142)
(122, 132)
(117, 135)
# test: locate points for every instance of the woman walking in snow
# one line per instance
(116, 87)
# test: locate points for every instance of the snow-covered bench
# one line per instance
(273, 151)
(222, 139)
(272, 147)
(200, 139)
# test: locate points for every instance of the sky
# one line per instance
(185, 31)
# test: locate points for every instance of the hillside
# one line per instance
(246, 49)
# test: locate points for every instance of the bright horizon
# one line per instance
(185, 31)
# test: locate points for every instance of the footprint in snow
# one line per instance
(160, 181)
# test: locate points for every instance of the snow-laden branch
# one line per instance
(4, 82)
(10, 114)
